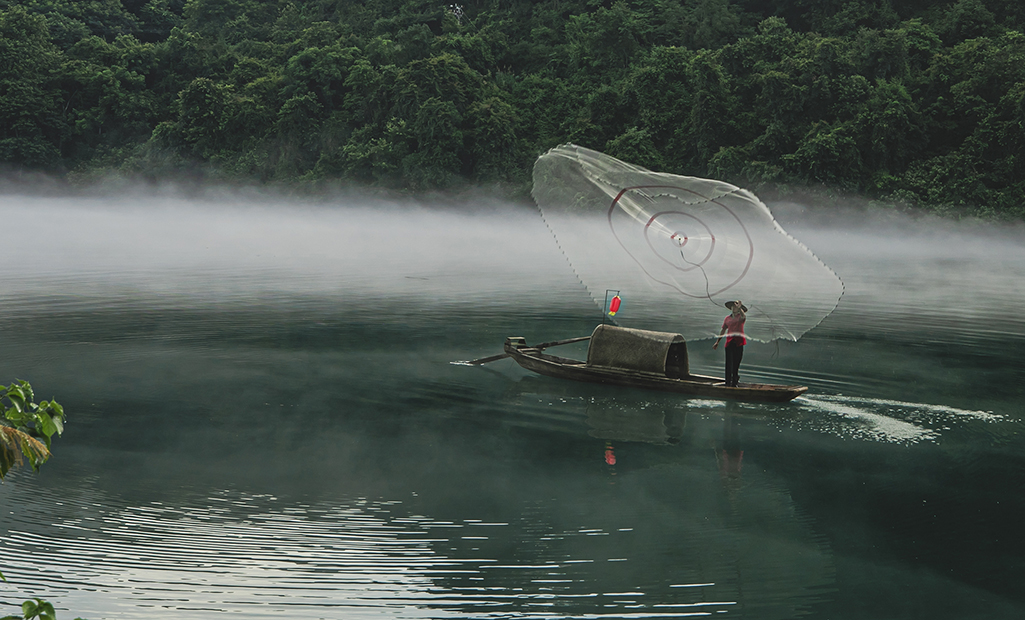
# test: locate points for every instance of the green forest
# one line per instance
(914, 102)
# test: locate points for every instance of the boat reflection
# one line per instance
(616, 422)
(623, 419)
(612, 419)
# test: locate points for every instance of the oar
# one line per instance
(485, 360)
(543, 345)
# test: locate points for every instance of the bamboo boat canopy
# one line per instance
(638, 349)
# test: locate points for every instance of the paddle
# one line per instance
(485, 360)
(543, 345)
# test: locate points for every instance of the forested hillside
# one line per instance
(919, 101)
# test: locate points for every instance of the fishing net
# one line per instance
(678, 248)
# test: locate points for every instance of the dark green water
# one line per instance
(264, 421)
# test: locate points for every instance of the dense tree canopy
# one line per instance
(919, 101)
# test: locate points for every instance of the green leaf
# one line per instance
(46, 426)
(28, 608)
(17, 398)
(52, 404)
(26, 389)
(46, 611)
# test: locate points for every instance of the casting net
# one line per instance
(677, 248)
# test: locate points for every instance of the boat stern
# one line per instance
(514, 344)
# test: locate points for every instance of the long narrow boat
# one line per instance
(641, 359)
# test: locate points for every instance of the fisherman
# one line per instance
(733, 327)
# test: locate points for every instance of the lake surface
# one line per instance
(264, 421)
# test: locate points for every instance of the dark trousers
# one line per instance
(734, 353)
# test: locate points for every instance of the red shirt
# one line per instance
(734, 326)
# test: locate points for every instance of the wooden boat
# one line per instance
(642, 359)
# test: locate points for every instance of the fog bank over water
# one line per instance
(924, 277)
(226, 250)
(239, 248)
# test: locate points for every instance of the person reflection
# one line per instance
(730, 455)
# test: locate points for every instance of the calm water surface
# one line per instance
(264, 421)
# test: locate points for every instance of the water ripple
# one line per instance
(249, 554)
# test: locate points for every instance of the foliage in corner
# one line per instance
(35, 608)
(26, 427)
